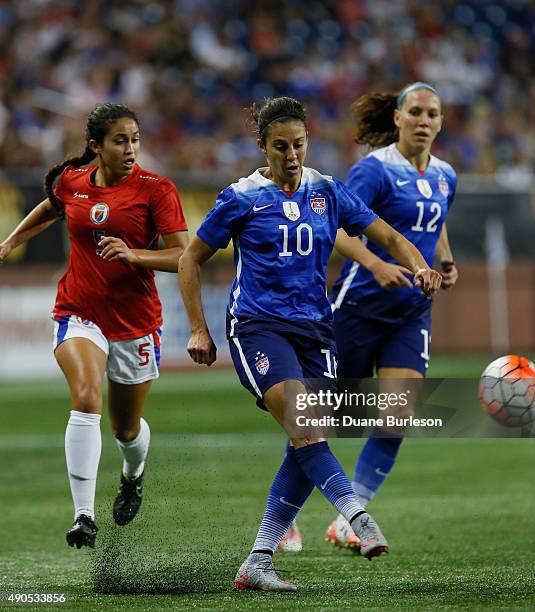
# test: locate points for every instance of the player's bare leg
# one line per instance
(83, 363)
(126, 404)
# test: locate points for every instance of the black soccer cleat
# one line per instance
(82, 533)
(128, 499)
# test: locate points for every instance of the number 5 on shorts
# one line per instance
(142, 352)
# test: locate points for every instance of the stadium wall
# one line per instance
(462, 321)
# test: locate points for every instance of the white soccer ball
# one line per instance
(507, 390)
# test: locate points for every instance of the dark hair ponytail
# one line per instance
(98, 123)
(374, 119)
(276, 109)
(54, 172)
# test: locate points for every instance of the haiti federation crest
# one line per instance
(261, 363)
(318, 205)
(291, 210)
(99, 213)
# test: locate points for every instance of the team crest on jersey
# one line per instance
(424, 188)
(318, 205)
(99, 213)
(292, 212)
(443, 186)
(261, 363)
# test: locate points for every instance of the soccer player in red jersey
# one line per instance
(107, 315)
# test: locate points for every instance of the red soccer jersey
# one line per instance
(120, 298)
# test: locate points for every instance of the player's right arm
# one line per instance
(201, 347)
(387, 275)
(215, 232)
(35, 222)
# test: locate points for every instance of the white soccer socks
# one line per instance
(135, 452)
(83, 444)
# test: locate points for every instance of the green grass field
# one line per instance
(459, 514)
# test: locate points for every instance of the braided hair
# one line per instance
(99, 121)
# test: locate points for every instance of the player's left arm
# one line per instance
(389, 276)
(165, 260)
(405, 253)
(450, 273)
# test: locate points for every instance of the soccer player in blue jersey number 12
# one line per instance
(382, 322)
(283, 222)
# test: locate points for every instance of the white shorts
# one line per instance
(130, 362)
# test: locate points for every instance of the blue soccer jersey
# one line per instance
(282, 244)
(415, 205)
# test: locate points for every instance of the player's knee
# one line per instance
(87, 397)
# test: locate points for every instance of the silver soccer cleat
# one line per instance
(257, 573)
(372, 542)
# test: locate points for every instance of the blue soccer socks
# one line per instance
(324, 470)
(289, 491)
(375, 461)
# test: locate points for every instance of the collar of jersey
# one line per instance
(92, 185)
(257, 175)
(405, 162)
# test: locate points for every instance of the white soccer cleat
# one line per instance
(340, 534)
(372, 542)
(291, 541)
(258, 574)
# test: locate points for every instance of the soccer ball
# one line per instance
(507, 390)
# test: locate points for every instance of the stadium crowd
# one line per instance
(189, 67)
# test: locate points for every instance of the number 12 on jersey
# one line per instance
(431, 226)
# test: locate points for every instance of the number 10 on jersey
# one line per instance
(303, 240)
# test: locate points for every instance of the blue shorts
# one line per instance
(264, 357)
(365, 344)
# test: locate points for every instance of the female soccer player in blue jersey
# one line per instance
(283, 221)
(381, 322)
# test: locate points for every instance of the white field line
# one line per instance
(168, 383)
(179, 441)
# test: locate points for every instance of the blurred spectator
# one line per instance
(189, 67)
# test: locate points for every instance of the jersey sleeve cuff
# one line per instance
(211, 240)
(356, 229)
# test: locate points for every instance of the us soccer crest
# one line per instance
(291, 211)
(424, 188)
(261, 363)
(99, 213)
(318, 205)
(443, 186)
